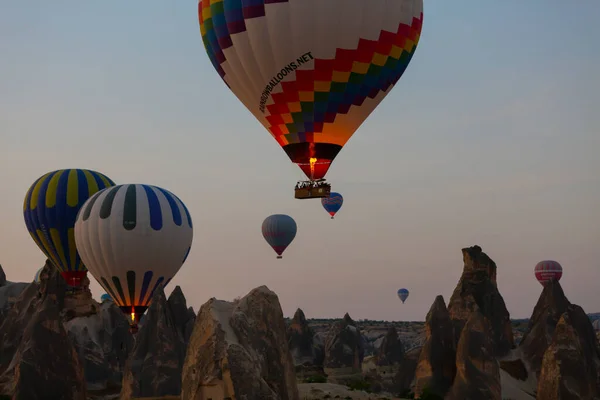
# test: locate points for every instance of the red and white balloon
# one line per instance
(547, 270)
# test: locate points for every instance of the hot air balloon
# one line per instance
(403, 294)
(50, 208)
(132, 239)
(311, 71)
(333, 203)
(105, 297)
(279, 230)
(37, 275)
(547, 270)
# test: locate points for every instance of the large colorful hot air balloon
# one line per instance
(403, 294)
(279, 230)
(333, 203)
(50, 208)
(133, 238)
(311, 71)
(547, 270)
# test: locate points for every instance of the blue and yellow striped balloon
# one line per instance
(50, 210)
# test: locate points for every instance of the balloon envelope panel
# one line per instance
(50, 209)
(133, 238)
(311, 71)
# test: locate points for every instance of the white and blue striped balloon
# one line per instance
(133, 238)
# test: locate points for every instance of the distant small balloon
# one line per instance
(547, 270)
(333, 203)
(403, 294)
(105, 297)
(279, 231)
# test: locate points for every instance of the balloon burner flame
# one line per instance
(312, 161)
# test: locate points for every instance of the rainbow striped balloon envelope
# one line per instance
(311, 71)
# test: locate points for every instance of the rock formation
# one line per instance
(307, 351)
(388, 369)
(9, 291)
(344, 351)
(536, 339)
(183, 317)
(79, 303)
(477, 289)
(436, 366)
(37, 359)
(478, 372)
(571, 364)
(301, 341)
(240, 350)
(155, 363)
(103, 343)
(391, 351)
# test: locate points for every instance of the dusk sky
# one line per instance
(491, 137)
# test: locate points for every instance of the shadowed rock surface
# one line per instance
(2, 277)
(436, 367)
(551, 305)
(80, 303)
(301, 341)
(344, 346)
(240, 351)
(155, 364)
(391, 350)
(571, 364)
(37, 359)
(182, 316)
(477, 370)
(477, 289)
(103, 343)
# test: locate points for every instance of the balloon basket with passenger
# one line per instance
(312, 189)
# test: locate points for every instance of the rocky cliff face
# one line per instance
(103, 343)
(478, 372)
(37, 358)
(9, 291)
(155, 363)
(240, 350)
(551, 305)
(391, 351)
(436, 366)
(344, 345)
(301, 341)
(477, 288)
(183, 317)
(80, 303)
(571, 363)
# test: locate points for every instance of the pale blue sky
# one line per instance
(491, 137)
